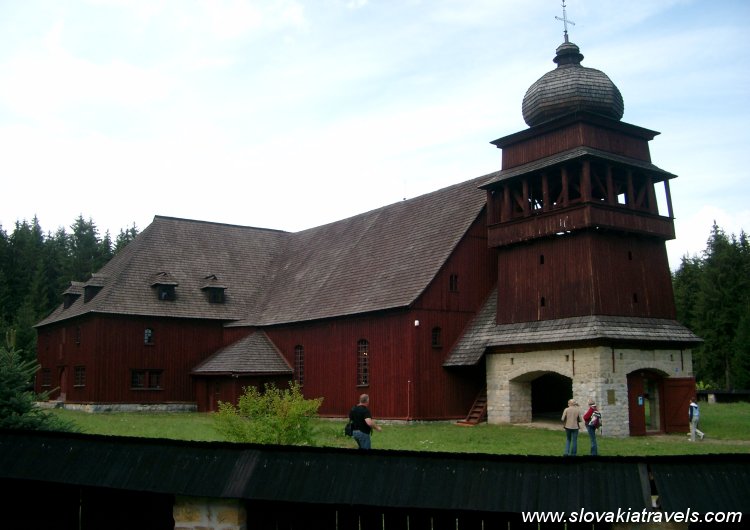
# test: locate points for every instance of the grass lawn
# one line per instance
(727, 428)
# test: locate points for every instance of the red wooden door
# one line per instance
(677, 394)
(636, 410)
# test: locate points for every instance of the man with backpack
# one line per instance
(593, 421)
(362, 422)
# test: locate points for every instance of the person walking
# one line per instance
(592, 419)
(362, 422)
(571, 418)
(694, 414)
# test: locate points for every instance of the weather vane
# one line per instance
(565, 22)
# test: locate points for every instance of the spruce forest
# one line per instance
(712, 290)
(35, 269)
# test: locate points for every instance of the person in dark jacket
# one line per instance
(362, 422)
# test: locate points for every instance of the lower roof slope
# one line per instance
(484, 332)
(251, 355)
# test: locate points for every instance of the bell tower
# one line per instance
(575, 212)
(584, 309)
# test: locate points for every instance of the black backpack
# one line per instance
(349, 427)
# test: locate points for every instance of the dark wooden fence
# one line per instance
(81, 482)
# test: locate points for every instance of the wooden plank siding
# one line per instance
(523, 148)
(111, 346)
(475, 267)
(403, 362)
(577, 217)
(584, 273)
(209, 391)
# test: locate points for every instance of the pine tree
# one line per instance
(18, 408)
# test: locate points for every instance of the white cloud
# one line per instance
(44, 82)
(287, 114)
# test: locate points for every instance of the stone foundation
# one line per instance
(120, 407)
(598, 372)
(191, 513)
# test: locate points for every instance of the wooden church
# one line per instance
(499, 297)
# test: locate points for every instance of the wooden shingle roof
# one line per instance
(251, 355)
(382, 259)
(484, 333)
(579, 152)
(181, 253)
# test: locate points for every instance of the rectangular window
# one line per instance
(453, 283)
(216, 296)
(437, 337)
(299, 364)
(79, 376)
(167, 292)
(145, 379)
(46, 377)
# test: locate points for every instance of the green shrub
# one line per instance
(273, 416)
(18, 409)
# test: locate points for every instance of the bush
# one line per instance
(273, 416)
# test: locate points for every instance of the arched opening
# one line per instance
(549, 395)
(538, 396)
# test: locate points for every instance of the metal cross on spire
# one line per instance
(565, 22)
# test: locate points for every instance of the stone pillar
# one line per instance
(199, 513)
(498, 391)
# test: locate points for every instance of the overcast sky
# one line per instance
(291, 114)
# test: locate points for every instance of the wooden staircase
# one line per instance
(478, 412)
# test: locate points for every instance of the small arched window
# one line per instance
(363, 363)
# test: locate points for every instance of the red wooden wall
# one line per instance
(111, 346)
(407, 379)
(584, 273)
(627, 141)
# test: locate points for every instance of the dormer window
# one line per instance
(71, 294)
(69, 299)
(89, 292)
(165, 286)
(214, 289)
(92, 287)
(215, 296)
(166, 292)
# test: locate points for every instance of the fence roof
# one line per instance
(399, 479)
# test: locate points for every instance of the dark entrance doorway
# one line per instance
(646, 402)
(549, 395)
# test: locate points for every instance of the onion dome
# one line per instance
(571, 88)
